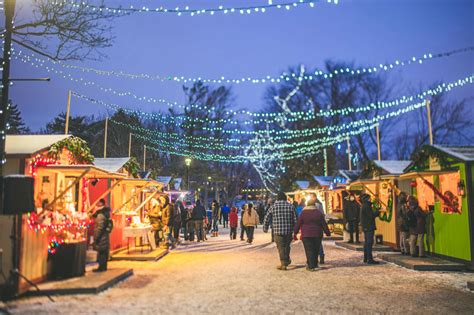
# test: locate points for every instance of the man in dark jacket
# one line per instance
(402, 223)
(199, 213)
(352, 216)
(216, 217)
(102, 229)
(178, 209)
(418, 229)
(367, 220)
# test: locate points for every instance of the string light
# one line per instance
(187, 10)
(284, 77)
(262, 117)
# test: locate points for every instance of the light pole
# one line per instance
(187, 161)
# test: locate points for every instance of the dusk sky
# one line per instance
(367, 32)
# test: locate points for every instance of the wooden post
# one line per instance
(144, 157)
(130, 144)
(68, 112)
(349, 154)
(62, 193)
(105, 136)
(379, 154)
(430, 127)
(133, 196)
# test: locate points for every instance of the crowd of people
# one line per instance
(285, 220)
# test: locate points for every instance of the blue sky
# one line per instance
(367, 32)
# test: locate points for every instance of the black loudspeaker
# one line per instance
(18, 194)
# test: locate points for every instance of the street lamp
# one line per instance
(187, 161)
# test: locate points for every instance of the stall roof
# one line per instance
(177, 183)
(30, 144)
(324, 180)
(302, 184)
(425, 173)
(76, 170)
(111, 164)
(392, 167)
(349, 175)
(164, 179)
(462, 153)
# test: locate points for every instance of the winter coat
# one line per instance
(167, 215)
(420, 227)
(101, 236)
(225, 210)
(250, 219)
(402, 218)
(178, 209)
(233, 219)
(216, 211)
(199, 213)
(352, 211)
(368, 216)
(312, 223)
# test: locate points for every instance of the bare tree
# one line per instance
(63, 30)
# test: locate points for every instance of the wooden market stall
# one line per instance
(441, 177)
(380, 180)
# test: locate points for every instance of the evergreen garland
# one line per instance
(132, 166)
(79, 149)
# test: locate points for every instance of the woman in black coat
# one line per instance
(418, 230)
(367, 220)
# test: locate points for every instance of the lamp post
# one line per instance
(187, 161)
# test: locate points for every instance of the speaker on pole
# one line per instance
(18, 194)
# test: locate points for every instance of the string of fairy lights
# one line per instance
(190, 11)
(284, 77)
(179, 119)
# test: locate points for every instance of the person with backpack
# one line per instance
(103, 226)
(417, 221)
(367, 220)
(250, 221)
(233, 223)
(402, 223)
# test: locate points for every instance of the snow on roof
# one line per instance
(164, 179)
(462, 153)
(177, 183)
(392, 167)
(324, 180)
(302, 184)
(111, 164)
(349, 175)
(30, 144)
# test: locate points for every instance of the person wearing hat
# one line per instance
(367, 220)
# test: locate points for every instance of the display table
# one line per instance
(69, 260)
(137, 232)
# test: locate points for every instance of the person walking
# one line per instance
(154, 215)
(250, 220)
(320, 208)
(225, 215)
(216, 213)
(190, 224)
(242, 227)
(233, 222)
(184, 222)
(352, 217)
(402, 223)
(167, 219)
(417, 231)
(198, 217)
(178, 209)
(102, 227)
(282, 215)
(367, 220)
(312, 223)
(209, 221)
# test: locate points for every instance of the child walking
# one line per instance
(233, 222)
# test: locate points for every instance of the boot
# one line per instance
(321, 259)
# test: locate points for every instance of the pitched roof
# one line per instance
(30, 144)
(462, 153)
(349, 175)
(111, 164)
(392, 167)
(177, 183)
(165, 180)
(324, 180)
(302, 184)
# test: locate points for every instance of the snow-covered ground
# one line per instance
(224, 276)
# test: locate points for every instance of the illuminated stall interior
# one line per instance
(441, 178)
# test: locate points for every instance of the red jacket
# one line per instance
(233, 218)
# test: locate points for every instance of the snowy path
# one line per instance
(224, 276)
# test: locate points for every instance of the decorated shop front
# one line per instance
(380, 180)
(442, 180)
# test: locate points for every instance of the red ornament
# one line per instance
(413, 183)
